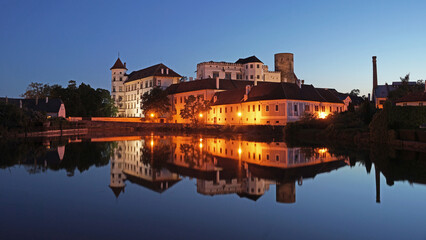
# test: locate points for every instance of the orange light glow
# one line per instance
(322, 115)
(201, 139)
(201, 115)
(322, 150)
(201, 145)
(239, 151)
(152, 143)
(152, 115)
(239, 114)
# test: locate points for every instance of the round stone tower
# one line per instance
(284, 63)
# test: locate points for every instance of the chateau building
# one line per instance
(250, 69)
(236, 102)
(127, 89)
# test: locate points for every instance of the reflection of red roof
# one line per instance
(413, 97)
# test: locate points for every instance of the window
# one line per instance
(258, 65)
(141, 85)
(113, 79)
(220, 110)
(113, 89)
(146, 84)
(251, 65)
(246, 66)
(267, 156)
(226, 109)
(258, 107)
(231, 109)
(251, 76)
(258, 77)
(323, 108)
(254, 108)
(120, 89)
(316, 108)
(277, 157)
(295, 107)
(150, 83)
(330, 109)
(260, 157)
(276, 108)
(248, 108)
(227, 75)
(239, 76)
(306, 108)
(215, 74)
(121, 79)
(420, 104)
(246, 77)
(180, 99)
(267, 108)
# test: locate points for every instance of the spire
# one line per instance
(118, 65)
(117, 190)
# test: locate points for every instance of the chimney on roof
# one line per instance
(47, 99)
(374, 73)
(248, 88)
(214, 98)
(217, 82)
(124, 64)
(36, 100)
(167, 71)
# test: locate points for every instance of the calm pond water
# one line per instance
(204, 187)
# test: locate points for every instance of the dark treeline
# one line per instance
(81, 101)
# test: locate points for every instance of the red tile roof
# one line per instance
(152, 71)
(118, 65)
(413, 97)
(208, 83)
(248, 60)
(272, 91)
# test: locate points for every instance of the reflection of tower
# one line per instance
(286, 192)
(377, 184)
(284, 63)
(117, 176)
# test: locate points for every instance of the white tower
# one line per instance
(118, 76)
(117, 176)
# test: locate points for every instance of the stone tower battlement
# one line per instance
(284, 63)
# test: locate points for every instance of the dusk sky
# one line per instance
(332, 41)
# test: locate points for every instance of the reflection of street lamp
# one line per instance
(152, 115)
(239, 151)
(200, 115)
(239, 115)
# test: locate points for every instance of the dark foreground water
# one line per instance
(199, 187)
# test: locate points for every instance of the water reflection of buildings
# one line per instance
(129, 164)
(245, 168)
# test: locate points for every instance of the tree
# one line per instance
(194, 106)
(82, 101)
(405, 79)
(36, 90)
(155, 102)
(354, 92)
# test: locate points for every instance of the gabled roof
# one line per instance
(117, 190)
(154, 185)
(413, 97)
(52, 106)
(248, 60)
(118, 65)
(152, 71)
(356, 100)
(382, 91)
(208, 83)
(272, 91)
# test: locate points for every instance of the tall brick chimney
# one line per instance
(374, 74)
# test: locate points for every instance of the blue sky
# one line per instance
(332, 41)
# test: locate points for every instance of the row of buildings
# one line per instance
(243, 92)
